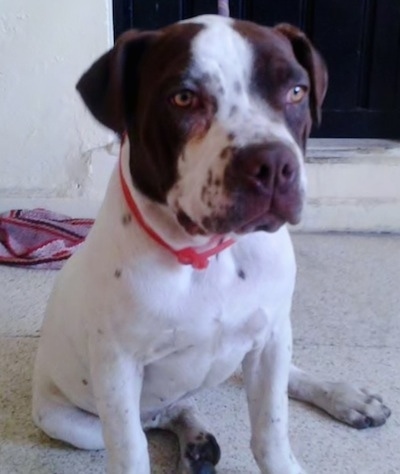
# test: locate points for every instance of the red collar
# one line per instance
(185, 256)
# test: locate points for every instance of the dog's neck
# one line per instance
(160, 223)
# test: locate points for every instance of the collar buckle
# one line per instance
(188, 256)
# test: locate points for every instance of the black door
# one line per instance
(360, 40)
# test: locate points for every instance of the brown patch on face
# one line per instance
(217, 182)
(284, 58)
(312, 62)
(158, 130)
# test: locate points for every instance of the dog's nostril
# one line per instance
(287, 171)
(263, 173)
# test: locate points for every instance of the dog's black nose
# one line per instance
(266, 168)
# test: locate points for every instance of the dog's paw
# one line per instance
(201, 456)
(357, 407)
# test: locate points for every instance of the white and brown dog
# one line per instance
(189, 270)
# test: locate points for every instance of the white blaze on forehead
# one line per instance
(222, 53)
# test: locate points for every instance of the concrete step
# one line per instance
(353, 185)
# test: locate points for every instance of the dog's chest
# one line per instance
(198, 331)
(201, 356)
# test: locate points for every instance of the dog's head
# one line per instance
(217, 112)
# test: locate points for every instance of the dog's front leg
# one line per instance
(117, 384)
(266, 374)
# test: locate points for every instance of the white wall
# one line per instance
(48, 142)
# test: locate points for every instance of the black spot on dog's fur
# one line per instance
(275, 420)
(226, 153)
(126, 219)
(84, 381)
(241, 274)
(118, 273)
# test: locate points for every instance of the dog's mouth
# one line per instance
(189, 225)
(267, 222)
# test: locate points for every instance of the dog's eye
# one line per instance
(185, 99)
(296, 94)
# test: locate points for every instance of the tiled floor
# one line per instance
(346, 319)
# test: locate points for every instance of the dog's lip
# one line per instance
(188, 224)
(268, 222)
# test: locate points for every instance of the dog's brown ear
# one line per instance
(108, 85)
(312, 61)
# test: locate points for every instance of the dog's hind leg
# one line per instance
(61, 420)
(199, 449)
(356, 407)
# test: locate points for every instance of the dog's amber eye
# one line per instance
(296, 94)
(185, 99)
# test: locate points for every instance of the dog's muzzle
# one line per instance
(263, 182)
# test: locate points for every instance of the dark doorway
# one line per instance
(360, 40)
